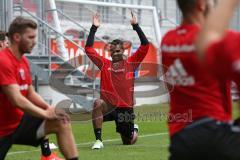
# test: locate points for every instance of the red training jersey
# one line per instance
(223, 58)
(117, 79)
(194, 94)
(13, 71)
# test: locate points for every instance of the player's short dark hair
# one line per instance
(19, 25)
(3, 35)
(186, 6)
(118, 42)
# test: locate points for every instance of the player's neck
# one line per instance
(15, 51)
(196, 19)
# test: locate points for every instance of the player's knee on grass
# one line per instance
(128, 135)
(126, 140)
(135, 137)
(125, 125)
(129, 140)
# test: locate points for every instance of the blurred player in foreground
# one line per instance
(25, 118)
(198, 102)
(47, 154)
(220, 51)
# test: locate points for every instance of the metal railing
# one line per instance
(74, 22)
(49, 27)
(44, 24)
(76, 98)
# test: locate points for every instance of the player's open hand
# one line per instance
(134, 19)
(62, 115)
(96, 20)
(50, 113)
(53, 113)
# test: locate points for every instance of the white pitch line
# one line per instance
(117, 139)
(87, 143)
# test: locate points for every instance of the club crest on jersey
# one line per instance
(22, 74)
(115, 65)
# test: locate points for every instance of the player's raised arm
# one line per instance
(136, 27)
(142, 51)
(216, 24)
(90, 51)
(93, 30)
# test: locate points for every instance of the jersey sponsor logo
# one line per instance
(177, 75)
(178, 48)
(116, 70)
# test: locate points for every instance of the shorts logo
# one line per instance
(22, 74)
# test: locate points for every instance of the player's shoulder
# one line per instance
(181, 34)
(5, 59)
(228, 41)
(232, 32)
(169, 35)
(24, 59)
(233, 35)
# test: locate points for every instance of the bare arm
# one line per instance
(36, 99)
(216, 24)
(17, 99)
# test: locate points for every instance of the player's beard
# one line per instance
(117, 57)
(24, 48)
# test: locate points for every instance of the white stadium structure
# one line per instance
(59, 65)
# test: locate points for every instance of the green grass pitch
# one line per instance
(152, 143)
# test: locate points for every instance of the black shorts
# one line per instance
(211, 140)
(124, 119)
(25, 134)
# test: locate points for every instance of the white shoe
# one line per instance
(52, 146)
(136, 127)
(97, 145)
